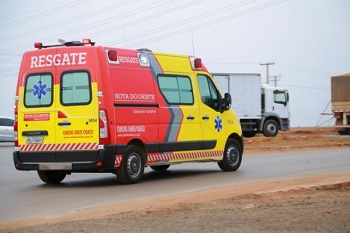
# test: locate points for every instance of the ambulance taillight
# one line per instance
(103, 122)
(15, 129)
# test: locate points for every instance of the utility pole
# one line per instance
(274, 78)
(267, 69)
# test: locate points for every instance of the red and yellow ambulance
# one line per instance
(86, 108)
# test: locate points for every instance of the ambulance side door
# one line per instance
(211, 118)
(185, 122)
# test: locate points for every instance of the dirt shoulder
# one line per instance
(313, 204)
(297, 139)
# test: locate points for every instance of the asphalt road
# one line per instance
(23, 195)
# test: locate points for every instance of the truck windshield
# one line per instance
(280, 97)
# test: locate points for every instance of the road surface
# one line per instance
(23, 195)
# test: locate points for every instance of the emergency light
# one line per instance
(197, 63)
(39, 45)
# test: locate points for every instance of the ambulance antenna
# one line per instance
(61, 41)
(192, 42)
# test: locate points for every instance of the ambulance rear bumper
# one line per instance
(70, 161)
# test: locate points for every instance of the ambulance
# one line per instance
(86, 108)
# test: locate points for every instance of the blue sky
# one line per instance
(308, 40)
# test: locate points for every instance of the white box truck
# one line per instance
(261, 108)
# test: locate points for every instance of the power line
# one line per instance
(231, 63)
(67, 21)
(192, 19)
(46, 13)
(132, 12)
(307, 87)
(220, 19)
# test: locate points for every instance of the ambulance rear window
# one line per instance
(176, 89)
(38, 90)
(75, 88)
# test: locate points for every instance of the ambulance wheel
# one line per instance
(270, 128)
(232, 157)
(132, 166)
(160, 168)
(51, 177)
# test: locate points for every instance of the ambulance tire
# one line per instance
(232, 157)
(160, 168)
(132, 166)
(51, 177)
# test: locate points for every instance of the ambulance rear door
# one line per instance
(36, 109)
(77, 126)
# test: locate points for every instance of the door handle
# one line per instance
(205, 117)
(189, 117)
(64, 123)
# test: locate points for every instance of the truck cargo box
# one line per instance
(340, 92)
(245, 90)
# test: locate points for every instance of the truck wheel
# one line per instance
(51, 177)
(132, 166)
(232, 157)
(160, 168)
(270, 128)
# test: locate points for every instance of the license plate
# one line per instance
(35, 140)
(55, 166)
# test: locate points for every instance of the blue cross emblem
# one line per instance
(39, 89)
(218, 123)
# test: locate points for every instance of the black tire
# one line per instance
(132, 167)
(344, 132)
(270, 128)
(249, 134)
(341, 132)
(160, 168)
(232, 157)
(51, 177)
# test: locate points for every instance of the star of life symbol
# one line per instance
(39, 89)
(218, 123)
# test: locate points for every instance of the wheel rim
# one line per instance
(232, 155)
(134, 165)
(271, 129)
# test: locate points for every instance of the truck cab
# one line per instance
(275, 110)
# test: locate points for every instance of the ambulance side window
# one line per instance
(176, 89)
(209, 93)
(75, 88)
(38, 90)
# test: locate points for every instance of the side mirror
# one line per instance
(227, 101)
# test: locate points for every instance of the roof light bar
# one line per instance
(64, 43)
